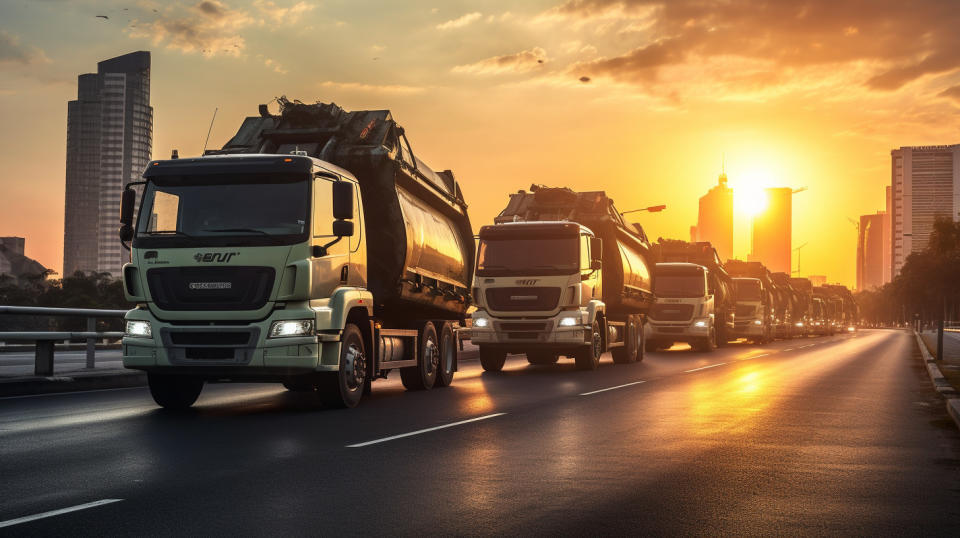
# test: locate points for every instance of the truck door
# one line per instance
(327, 270)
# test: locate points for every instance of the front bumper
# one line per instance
(676, 331)
(747, 329)
(230, 351)
(531, 333)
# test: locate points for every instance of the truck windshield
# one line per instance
(267, 210)
(747, 290)
(679, 286)
(525, 257)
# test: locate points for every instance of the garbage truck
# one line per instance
(695, 301)
(755, 319)
(804, 317)
(314, 249)
(560, 273)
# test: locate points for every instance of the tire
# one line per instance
(708, 344)
(641, 348)
(541, 357)
(424, 375)
(631, 342)
(174, 392)
(344, 388)
(587, 357)
(492, 359)
(448, 356)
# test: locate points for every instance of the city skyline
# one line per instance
(650, 128)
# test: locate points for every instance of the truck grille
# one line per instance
(745, 310)
(522, 299)
(235, 338)
(210, 288)
(671, 312)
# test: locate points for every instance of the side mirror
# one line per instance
(342, 201)
(596, 250)
(343, 228)
(127, 201)
(595, 265)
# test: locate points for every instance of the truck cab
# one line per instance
(684, 308)
(538, 291)
(755, 317)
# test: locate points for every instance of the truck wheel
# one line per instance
(642, 344)
(173, 391)
(588, 356)
(492, 359)
(631, 341)
(708, 344)
(344, 388)
(448, 356)
(424, 374)
(541, 357)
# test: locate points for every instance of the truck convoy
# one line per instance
(560, 273)
(695, 300)
(315, 250)
(848, 314)
(755, 314)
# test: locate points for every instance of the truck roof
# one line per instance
(250, 163)
(546, 226)
(680, 267)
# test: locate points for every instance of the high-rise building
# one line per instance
(772, 229)
(888, 239)
(870, 250)
(925, 183)
(715, 219)
(109, 143)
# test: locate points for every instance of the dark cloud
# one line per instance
(212, 8)
(906, 40)
(14, 52)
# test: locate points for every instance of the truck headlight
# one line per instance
(293, 327)
(481, 322)
(799, 324)
(569, 322)
(139, 329)
(757, 322)
(700, 323)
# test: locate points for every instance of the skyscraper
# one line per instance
(109, 142)
(925, 183)
(772, 231)
(870, 251)
(715, 219)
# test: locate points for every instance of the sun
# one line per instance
(750, 200)
(749, 190)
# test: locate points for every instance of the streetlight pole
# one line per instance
(798, 257)
(651, 209)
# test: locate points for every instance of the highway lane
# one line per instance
(826, 435)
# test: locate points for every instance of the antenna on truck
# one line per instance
(210, 129)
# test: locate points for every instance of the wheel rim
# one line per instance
(597, 343)
(355, 367)
(432, 355)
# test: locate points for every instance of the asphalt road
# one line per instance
(839, 435)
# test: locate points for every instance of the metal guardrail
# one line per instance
(44, 342)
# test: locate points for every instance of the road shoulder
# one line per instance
(940, 382)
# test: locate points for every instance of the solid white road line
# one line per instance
(611, 388)
(788, 349)
(25, 519)
(704, 368)
(418, 432)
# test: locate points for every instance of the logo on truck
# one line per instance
(211, 285)
(214, 256)
(527, 282)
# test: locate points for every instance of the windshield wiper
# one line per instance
(169, 232)
(228, 230)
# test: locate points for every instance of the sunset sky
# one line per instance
(642, 99)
